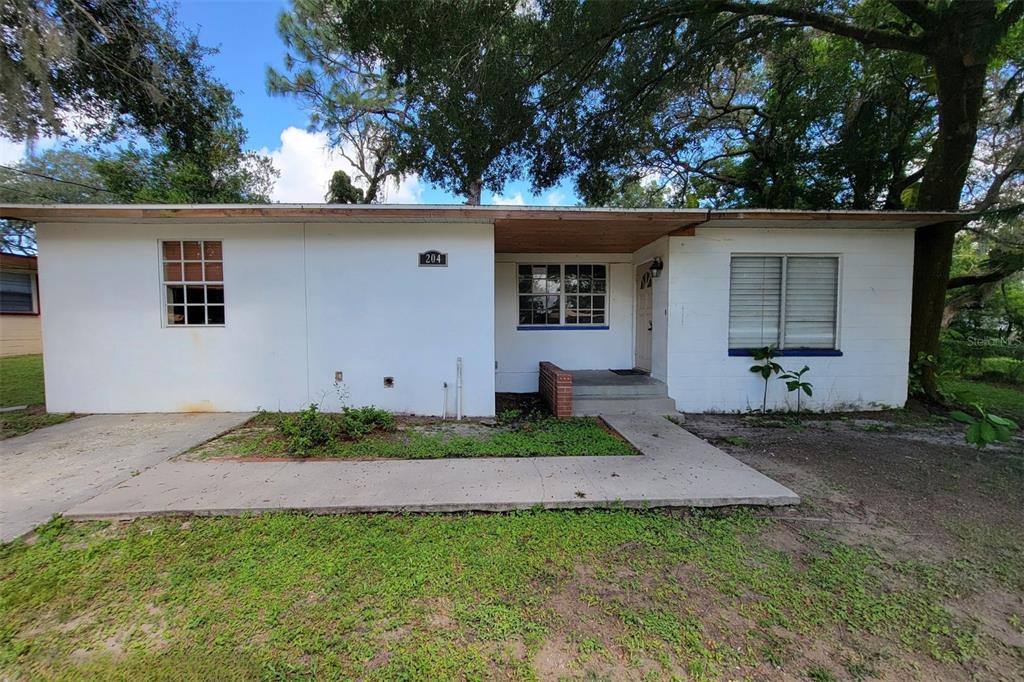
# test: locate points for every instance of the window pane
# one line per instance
(212, 251)
(16, 292)
(811, 288)
(172, 250)
(600, 271)
(755, 289)
(215, 314)
(175, 294)
(524, 284)
(195, 294)
(214, 294)
(195, 314)
(214, 272)
(176, 314)
(192, 251)
(172, 272)
(193, 272)
(598, 318)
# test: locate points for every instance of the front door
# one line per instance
(644, 317)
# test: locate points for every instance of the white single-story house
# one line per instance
(434, 309)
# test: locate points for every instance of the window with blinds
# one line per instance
(789, 302)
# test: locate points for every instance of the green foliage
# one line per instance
(443, 88)
(312, 431)
(444, 596)
(765, 368)
(342, 191)
(986, 428)
(795, 382)
(21, 380)
(999, 399)
(308, 430)
(359, 422)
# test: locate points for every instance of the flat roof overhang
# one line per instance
(517, 229)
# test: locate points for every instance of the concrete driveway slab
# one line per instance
(48, 471)
(676, 469)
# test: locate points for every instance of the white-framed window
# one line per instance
(192, 275)
(18, 295)
(787, 301)
(572, 294)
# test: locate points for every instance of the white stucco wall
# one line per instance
(874, 329)
(302, 301)
(518, 352)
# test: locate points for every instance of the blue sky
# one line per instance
(245, 32)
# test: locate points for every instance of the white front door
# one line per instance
(644, 317)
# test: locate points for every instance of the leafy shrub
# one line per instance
(358, 422)
(986, 428)
(308, 430)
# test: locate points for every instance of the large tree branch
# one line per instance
(917, 11)
(871, 37)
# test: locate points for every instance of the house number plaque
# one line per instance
(433, 259)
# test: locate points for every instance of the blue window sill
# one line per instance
(789, 353)
(560, 327)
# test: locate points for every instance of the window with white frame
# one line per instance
(193, 282)
(789, 302)
(18, 293)
(569, 294)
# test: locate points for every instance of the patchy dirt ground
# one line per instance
(913, 491)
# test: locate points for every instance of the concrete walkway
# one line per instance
(45, 472)
(677, 469)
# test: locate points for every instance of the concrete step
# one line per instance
(586, 407)
(651, 390)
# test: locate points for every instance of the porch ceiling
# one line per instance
(592, 236)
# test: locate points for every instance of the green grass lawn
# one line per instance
(262, 437)
(21, 383)
(602, 594)
(21, 380)
(1002, 400)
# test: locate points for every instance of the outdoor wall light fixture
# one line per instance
(656, 267)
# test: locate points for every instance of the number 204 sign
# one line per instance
(433, 259)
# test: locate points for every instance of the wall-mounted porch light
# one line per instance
(656, 267)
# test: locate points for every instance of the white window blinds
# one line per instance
(811, 302)
(783, 301)
(754, 289)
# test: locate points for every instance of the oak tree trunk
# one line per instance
(473, 193)
(960, 69)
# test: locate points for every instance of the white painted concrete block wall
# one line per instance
(518, 352)
(370, 312)
(374, 313)
(874, 331)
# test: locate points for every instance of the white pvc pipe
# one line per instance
(458, 388)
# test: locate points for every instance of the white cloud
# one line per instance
(306, 164)
(514, 200)
(11, 152)
(556, 198)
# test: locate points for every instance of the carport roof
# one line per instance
(526, 229)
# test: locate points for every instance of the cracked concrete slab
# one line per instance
(45, 472)
(676, 469)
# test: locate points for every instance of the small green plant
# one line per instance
(819, 673)
(795, 382)
(510, 416)
(767, 367)
(738, 441)
(986, 428)
(308, 430)
(358, 422)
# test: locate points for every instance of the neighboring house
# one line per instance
(20, 330)
(185, 308)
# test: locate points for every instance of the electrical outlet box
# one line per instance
(389, 382)
(338, 376)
